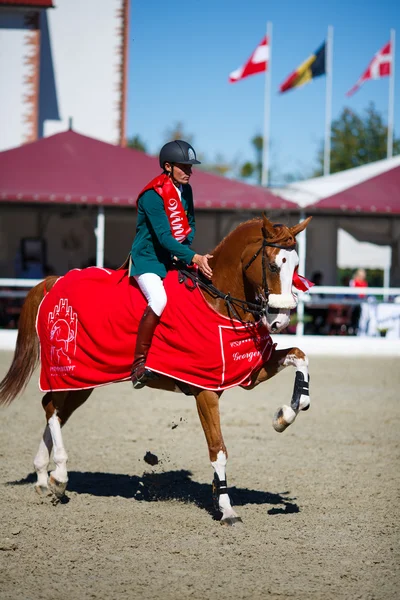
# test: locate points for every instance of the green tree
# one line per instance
(253, 169)
(219, 166)
(136, 143)
(177, 132)
(356, 140)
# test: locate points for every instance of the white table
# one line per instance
(376, 315)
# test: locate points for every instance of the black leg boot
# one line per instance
(140, 375)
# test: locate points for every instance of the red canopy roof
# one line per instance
(69, 167)
(379, 194)
(35, 3)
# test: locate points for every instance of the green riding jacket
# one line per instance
(154, 245)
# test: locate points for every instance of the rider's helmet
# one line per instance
(178, 151)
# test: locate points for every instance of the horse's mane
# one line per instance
(238, 229)
(283, 233)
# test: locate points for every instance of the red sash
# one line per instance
(177, 218)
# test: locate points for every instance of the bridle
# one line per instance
(259, 309)
(264, 244)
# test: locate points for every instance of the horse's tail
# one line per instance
(26, 355)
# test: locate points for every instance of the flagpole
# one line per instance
(302, 251)
(328, 101)
(267, 109)
(391, 97)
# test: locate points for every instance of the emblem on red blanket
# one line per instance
(62, 331)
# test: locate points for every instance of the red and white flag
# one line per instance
(380, 66)
(300, 282)
(257, 63)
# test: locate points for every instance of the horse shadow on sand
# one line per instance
(169, 485)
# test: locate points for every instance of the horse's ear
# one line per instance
(268, 228)
(297, 228)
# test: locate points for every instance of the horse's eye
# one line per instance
(273, 267)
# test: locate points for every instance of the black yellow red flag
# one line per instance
(314, 66)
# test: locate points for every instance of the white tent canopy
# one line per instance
(308, 192)
(349, 237)
(353, 254)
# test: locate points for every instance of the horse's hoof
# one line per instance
(229, 521)
(306, 407)
(283, 418)
(42, 490)
(57, 487)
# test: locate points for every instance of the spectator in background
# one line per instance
(359, 280)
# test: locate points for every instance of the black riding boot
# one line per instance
(139, 374)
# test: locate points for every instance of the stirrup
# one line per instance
(140, 381)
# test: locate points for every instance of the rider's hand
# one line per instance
(202, 262)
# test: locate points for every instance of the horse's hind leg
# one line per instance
(58, 407)
(74, 400)
(41, 461)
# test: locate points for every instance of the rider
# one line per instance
(165, 229)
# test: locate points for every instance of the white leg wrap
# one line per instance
(304, 400)
(60, 456)
(42, 458)
(287, 414)
(223, 500)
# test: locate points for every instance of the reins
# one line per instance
(263, 258)
(258, 310)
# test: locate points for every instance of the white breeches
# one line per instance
(153, 289)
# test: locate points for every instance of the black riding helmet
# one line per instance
(178, 151)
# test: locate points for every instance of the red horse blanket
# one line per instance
(87, 327)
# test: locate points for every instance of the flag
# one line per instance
(257, 63)
(300, 282)
(380, 66)
(314, 66)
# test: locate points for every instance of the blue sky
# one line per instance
(181, 54)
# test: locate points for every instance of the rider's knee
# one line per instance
(159, 302)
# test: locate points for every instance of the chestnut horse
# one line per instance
(253, 269)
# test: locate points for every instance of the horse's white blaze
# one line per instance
(60, 456)
(287, 261)
(42, 458)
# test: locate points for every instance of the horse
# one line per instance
(253, 270)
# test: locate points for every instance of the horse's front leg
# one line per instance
(58, 407)
(208, 409)
(279, 360)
